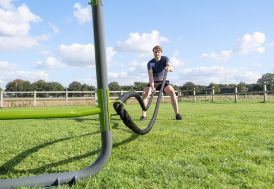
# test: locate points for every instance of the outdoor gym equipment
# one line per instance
(102, 109)
(55, 179)
(124, 115)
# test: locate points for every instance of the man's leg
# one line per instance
(145, 94)
(171, 92)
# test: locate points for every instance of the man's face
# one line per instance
(157, 54)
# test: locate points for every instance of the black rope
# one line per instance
(124, 115)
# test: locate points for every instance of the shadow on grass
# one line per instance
(9, 167)
(81, 119)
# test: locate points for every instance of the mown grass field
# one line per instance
(217, 145)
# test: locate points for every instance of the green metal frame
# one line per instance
(102, 109)
(41, 113)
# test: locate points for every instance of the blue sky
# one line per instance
(208, 41)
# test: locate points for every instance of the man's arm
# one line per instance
(169, 67)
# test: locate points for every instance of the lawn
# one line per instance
(216, 145)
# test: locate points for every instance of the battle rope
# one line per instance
(124, 115)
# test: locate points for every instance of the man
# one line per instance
(156, 69)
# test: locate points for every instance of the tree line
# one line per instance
(188, 87)
(41, 85)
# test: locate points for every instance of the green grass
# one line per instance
(217, 145)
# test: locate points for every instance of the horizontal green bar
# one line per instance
(40, 113)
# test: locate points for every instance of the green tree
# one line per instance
(92, 88)
(139, 86)
(217, 88)
(127, 88)
(39, 85)
(187, 88)
(226, 88)
(242, 88)
(267, 78)
(86, 87)
(75, 86)
(54, 86)
(114, 86)
(176, 88)
(255, 87)
(19, 85)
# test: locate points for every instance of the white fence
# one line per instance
(57, 98)
(211, 95)
(52, 98)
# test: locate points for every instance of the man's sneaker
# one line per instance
(142, 118)
(179, 117)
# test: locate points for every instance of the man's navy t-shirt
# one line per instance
(158, 67)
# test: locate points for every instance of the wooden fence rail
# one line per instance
(42, 98)
(212, 93)
(51, 98)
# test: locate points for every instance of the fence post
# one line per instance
(122, 92)
(95, 96)
(34, 98)
(66, 97)
(213, 93)
(1, 99)
(236, 94)
(194, 94)
(265, 92)
(179, 96)
(205, 94)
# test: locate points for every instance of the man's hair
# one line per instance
(157, 48)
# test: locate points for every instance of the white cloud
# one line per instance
(251, 43)
(5, 67)
(141, 43)
(32, 75)
(80, 55)
(118, 75)
(217, 74)
(16, 22)
(54, 28)
(248, 43)
(223, 56)
(82, 15)
(50, 63)
(77, 54)
(12, 43)
(15, 26)
(6, 4)
(110, 52)
(10, 72)
(127, 78)
(176, 62)
(127, 74)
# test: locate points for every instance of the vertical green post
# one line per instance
(101, 65)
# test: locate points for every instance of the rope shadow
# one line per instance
(8, 167)
(78, 119)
